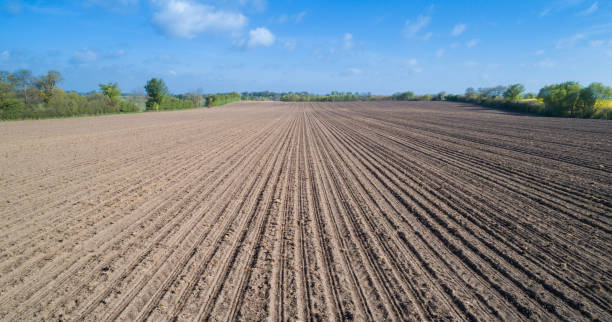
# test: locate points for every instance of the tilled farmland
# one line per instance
(307, 211)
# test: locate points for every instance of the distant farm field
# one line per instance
(307, 211)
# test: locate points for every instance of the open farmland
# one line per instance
(362, 210)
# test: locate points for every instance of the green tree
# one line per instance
(22, 81)
(6, 86)
(529, 96)
(590, 97)
(48, 84)
(405, 96)
(561, 99)
(156, 90)
(513, 92)
(112, 91)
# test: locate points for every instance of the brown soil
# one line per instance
(300, 211)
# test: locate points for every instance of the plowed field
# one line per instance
(307, 211)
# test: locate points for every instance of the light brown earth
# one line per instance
(299, 211)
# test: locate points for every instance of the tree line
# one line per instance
(25, 96)
(332, 97)
(567, 99)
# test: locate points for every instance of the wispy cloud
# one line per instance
(545, 63)
(428, 35)
(258, 5)
(472, 43)
(347, 41)
(290, 45)
(440, 53)
(539, 52)
(561, 5)
(590, 10)
(119, 6)
(458, 29)
(300, 16)
(413, 66)
(355, 71)
(412, 28)
(15, 7)
(84, 56)
(296, 18)
(545, 12)
(569, 42)
(596, 43)
(188, 19)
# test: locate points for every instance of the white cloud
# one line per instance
(539, 52)
(187, 19)
(413, 66)
(428, 35)
(546, 63)
(458, 29)
(594, 7)
(296, 18)
(300, 16)
(472, 43)
(172, 72)
(440, 52)
(290, 45)
(113, 5)
(596, 43)
(5, 54)
(355, 71)
(412, 28)
(260, 37)
(112, 2)
(259, 5)
(569, 42)
(348, 41)
(545, 12)
(82, 57)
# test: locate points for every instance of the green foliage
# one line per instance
(529, 96)
(561, 99)
(48, 100)
(565, 99)
(156, 90)
(112, 91)
(513, 92)
(222, 99)
(261, 96)
(22, 81)
(196, 99)
(6, 86)
(12, 109)
(405, 96)
(491, 92)
(440, 96)
(139, 101)
(172, 103)
(47, 84)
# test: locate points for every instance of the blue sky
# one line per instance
(316, 46)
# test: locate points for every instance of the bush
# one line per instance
(172, 103)
(221, 99)
(12, 109)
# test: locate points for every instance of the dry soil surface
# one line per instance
(307, 211)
